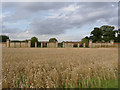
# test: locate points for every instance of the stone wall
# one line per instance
(3, 44)
(12, 44)
(71, 44)
(46, 44)
(67, 45)
(52, 44)
(100, 45)
(18, 44)
(24, 44)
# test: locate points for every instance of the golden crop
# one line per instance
(58, 67)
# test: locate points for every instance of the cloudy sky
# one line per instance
(62, 20)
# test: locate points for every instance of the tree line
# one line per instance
(3, 38)
(105, 33)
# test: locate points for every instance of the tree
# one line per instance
(97, 34)
(15, 41)
(118, 36)
(25, 40)
(108, 32)
(53, 40)
(84, 40)
(87, 37)
(33, 40)
(105, 33)
(3, 38)
(115, 32)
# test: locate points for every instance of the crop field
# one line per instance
(60, 68)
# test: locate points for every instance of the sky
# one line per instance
(66, 21)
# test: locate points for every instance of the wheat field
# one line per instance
(59, 67)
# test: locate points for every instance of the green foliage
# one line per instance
(3, 38)
(93, 82)
(84, 40)
(15, 41)
(59, 44)
(25, 40)
(53, 40)
(33, 40)
(105, 33)
(97, 34)
(108, 32)
(75, 45)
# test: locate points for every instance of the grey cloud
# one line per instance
(16, 33)
(113, 21)
(50, 26)
(25, 10)
(53, 26)
(9, 5)
(33, 7)
(6, 29)
(87, 13)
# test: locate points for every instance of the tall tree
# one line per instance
(53, 40)
(33, 40)
(108, 32)
(118, 35)
(97, 34)
(105, 33)
(3, 38)
(84, 40)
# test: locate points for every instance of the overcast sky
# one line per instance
(64, 21)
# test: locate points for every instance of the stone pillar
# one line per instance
(100, 45)
(35, 44)
(8, 43)
(41, 45)
(78, 45)
(47, 45)
(96, 44)
(108, 44)
(90, 43)
(29, 43)
(20, 44)
(84, 45)
(72, 45)
(105, 44)
(14, 44)
(63, 44)
(112, 42)
(56, 44)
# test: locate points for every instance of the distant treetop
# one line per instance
(53, 40)
(3, 38)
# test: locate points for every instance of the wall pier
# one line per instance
(29, 43)
(78, 45)
(35, 44)
(84, 45)
(103, 44)
(56, 44)
(63, 45)
(18, 44)
(41, 45)
(8, 43)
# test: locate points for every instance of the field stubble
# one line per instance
(59, 68)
